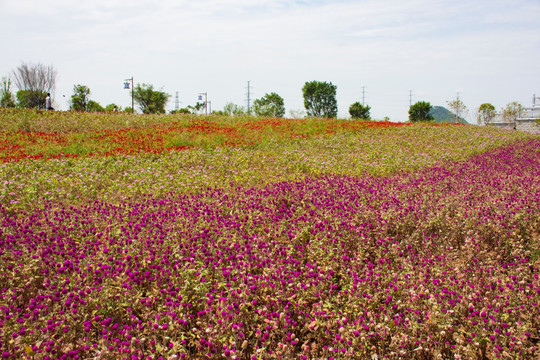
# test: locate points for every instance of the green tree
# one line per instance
(80, 98)
(320, 99)
(6, 97)
(459, 109)
(31, 99)
(194, 109)
(232, 109)
(185, 110)
(269, 105)
(420, 112)
(359, 111)
(512, 112)
(94, 106)
(219, 113)
(112, 108)
(486, 113)
(150, 101)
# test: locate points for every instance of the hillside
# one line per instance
(443, 115)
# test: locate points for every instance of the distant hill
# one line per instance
(443, 115)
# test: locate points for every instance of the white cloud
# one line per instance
(488, 48)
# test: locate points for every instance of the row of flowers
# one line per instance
(373, 151)
(27, 136)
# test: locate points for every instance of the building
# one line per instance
(529, 121)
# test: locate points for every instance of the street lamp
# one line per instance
(126, 86)
(205, 101)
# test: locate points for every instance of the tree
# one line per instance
(219, 113)
(359, 111)
(94, 106)
(80, 98)
(31, 99)
(150, 101)
(233, 109)
(194, 109)
(320, 99)
(269, 105)
(486, 113)
(459, 109)
(512, 112)
(112, 108)
(35, 80)
(185, 110)
(297, 113)
(420, 112)
(6, 97)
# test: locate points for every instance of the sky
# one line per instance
(385, 53)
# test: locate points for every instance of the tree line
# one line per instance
(485, 114)
(35, 81)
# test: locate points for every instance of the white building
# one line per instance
(529, 121)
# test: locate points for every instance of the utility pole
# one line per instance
(363, 95)
(458, 108)
(410, 98)
(248, 97)
(176, 102)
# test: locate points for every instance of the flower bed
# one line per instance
(434, 261)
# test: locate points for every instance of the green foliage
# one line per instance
(320, 99)
(181, 111)
(420, 111)
(6, 97)
(194, 109)
(31, 99)
(359, 111)
(80, 98)
(486, 113)
(219, 113)
(112, 108)
(232, 109)
(150, 101)
(269, 105)
(94, 106)
(512, 112)
(128, 109)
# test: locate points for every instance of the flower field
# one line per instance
(216, 238)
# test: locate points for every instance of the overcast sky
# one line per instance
(488, 50)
